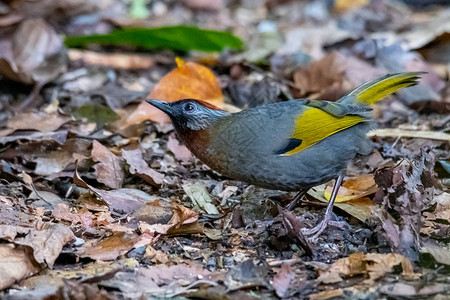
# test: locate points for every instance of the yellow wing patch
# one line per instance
(313, 125)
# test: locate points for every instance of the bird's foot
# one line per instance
(314, 233)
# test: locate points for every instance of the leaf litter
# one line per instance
(98, 196)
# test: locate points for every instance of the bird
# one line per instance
(289, 145)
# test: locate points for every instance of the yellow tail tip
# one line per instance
(374, 91)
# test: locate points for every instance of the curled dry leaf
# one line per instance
(406, 190)
(16, 263)
(188, 80)
(372, 264)
(46, 241)
(34, 53)
(139, 167)
(436, 222)
(109, 168)
(180, 222)
(354, 188)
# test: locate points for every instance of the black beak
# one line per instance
(161, 105)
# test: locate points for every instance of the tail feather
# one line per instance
(374, 91)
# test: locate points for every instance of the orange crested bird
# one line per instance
(290, 146)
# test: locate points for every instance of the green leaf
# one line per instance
(98, 114)
(181, 38)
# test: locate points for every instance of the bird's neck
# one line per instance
(196, 141)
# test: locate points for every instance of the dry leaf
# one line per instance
(359, 208)
(347, 5)
(322, 79)
(354, 188)
(400, 290)
(109, 168)
(440, 254)
(114, 60)
(59, 137)
(188, 80)
(46, 242)
(374, 265)
(16, 263)
(199, 195)
(182, 216)
(39, 121)
(112, 247)
(282, 280)
(331, 294)
(34, 53)
(179, 151)
(83, 217)
(120, 201)
(139, 167)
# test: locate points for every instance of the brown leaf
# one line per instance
(39, 121)
(112, 247)
(63, 212)
(120, 201)
(139, 167)
(46, 241)
(188, 80)
(323, 78)
(59, 137)
(34, 53)
(373, 264)
(114, 60)
(182, 216)
(359, 208)
(354, 188)
(109, 168)
(179, 151)
(324, 295)
(51, 163)
(16, 263)
(282, 280)
(346, 5)
(405, 189)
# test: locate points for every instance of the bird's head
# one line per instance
(190, 114)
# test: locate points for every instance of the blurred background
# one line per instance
(264, 51)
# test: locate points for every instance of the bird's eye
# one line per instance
(189, 107)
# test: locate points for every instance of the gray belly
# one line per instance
(257, 163)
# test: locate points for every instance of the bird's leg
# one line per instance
(298, 197)
(317, 230)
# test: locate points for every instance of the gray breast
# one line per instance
(246, 149)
